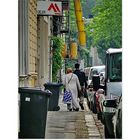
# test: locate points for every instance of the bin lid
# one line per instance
(52, 84)
(32, 90)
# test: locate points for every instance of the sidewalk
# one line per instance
(63, 124)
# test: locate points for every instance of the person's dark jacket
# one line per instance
(81, 77)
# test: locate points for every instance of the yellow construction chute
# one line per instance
(80, 23)
(64, 51)
(73, 50)
(82, 38)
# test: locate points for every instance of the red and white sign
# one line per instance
(49, 8)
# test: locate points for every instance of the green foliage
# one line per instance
(107, 23)
(84, 54)
(69, 63)
(57, 57)
(87, 7)
(73, 24)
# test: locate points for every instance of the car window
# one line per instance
(96, 71)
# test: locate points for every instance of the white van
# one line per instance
(113, 91)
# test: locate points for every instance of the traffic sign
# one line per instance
(49, 8)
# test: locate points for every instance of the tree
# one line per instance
(106, 24)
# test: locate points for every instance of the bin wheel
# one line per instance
(57, 108)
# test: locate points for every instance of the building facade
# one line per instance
(33, 45)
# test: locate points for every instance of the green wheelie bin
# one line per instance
(33, 109)
(54, 99)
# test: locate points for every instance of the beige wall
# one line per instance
(37, 43)
(32, 41)
(44, 50)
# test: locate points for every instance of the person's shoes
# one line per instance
(70, 109)
(81, 105)
(77, 109)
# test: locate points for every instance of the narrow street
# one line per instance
(70, 125)
(76, 46)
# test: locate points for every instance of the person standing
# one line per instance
(83, 83)
(71, 82)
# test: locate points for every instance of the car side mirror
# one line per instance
(110, 103)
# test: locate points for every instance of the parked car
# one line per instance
(90, 92)
(95, 70)
(93, 73)
(117, 117)
(87, 70)
(102, 77)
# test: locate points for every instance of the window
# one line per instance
(96, 71)
(115, 67)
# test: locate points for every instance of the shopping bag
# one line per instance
(67, 97)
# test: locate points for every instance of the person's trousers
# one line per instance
(81, 95)
(81, 99)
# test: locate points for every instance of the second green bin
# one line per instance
(54, 99)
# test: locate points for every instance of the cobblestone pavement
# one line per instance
(99, 125)
(63, 124)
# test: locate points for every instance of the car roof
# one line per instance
(101, 66)
(114, 50)
(96, 67)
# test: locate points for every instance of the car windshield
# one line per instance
(96, 71)
(115, 67)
